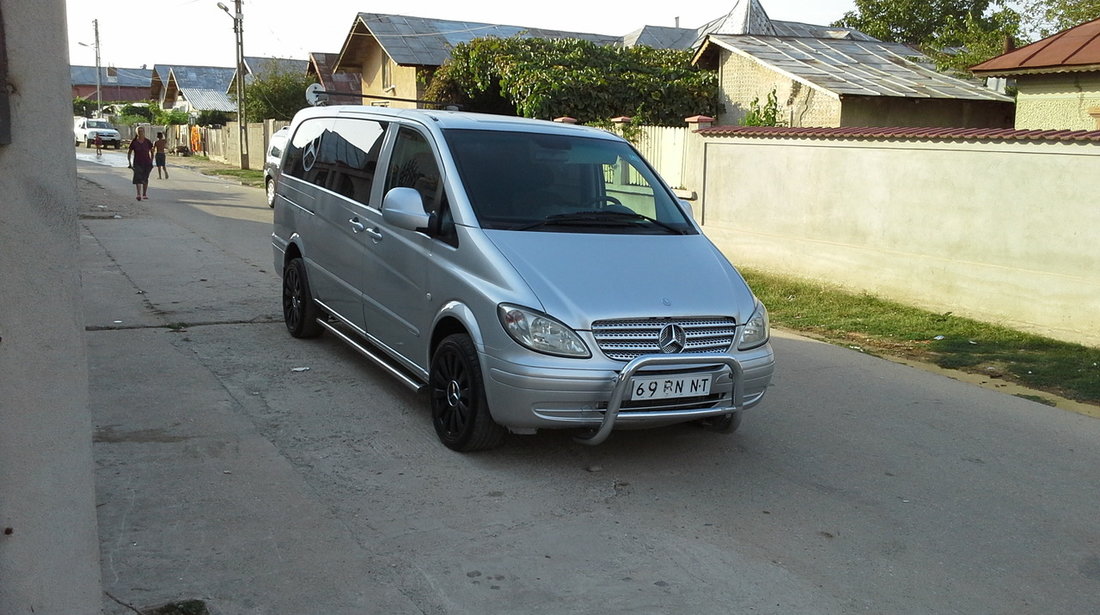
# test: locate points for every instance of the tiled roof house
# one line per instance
(395, 54)
(1057, 78)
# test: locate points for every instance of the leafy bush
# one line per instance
(213, 118)
(768, 115)
(142, 111)
(83, 107)
(545, 78)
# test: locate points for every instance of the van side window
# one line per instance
(356, 146)
(309, 153)
(412, 165)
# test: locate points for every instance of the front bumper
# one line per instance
(524, 397)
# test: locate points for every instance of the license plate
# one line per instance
(668, 387)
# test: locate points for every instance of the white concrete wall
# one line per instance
(49, 551)
(1003, 232)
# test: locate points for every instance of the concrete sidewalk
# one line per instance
(193, 503)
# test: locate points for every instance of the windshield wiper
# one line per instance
(599, 218)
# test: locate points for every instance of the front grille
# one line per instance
(625, 340)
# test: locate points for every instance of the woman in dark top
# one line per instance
(141, 151)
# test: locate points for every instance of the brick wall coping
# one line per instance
(903, 133)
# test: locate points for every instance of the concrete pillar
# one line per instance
(1095, 113)
(695, 162)
(49, 549)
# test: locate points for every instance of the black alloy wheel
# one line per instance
(460, 412)
(299, 311)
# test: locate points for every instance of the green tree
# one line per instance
(972, 40)
(275, 93)
(1046, 17)
(956, 34)
(914, 22)
(544, 78)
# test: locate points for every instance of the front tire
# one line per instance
(460, 412)
(300, 312)
(269, 187)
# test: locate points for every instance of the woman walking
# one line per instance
(140, 158)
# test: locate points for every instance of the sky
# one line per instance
(198, 33)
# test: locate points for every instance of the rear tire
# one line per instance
(460, 412)
(300, 312)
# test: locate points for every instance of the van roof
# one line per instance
(460, 120)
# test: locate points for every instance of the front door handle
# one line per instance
(374, 234)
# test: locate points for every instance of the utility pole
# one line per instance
(242, 121)
(98, 96)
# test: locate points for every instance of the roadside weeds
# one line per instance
(1045, 370)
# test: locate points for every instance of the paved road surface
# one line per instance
(227, 473)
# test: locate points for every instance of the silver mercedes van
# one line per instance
(527, 274)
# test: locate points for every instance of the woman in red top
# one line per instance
(141, 149)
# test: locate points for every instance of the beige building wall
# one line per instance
(1060, 101)
(742, 79)
(1002, 232)
(49, 549)
(379, 71)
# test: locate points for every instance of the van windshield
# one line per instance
(525, 181)
(99, 124)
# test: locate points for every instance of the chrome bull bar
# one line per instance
(622, 386)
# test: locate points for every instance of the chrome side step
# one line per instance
(374, 357)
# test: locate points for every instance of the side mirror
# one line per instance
(404, 208)
(686, 206)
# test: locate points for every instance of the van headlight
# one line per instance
(755, 332)
(541, 333)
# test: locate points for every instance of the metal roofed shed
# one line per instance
(830, 76)
(853, 67)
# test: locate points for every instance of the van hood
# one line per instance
(580, 278)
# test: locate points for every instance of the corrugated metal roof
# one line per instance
(419, 41)
(258, 65)
(746, 17)
(854, 67)
(204, 99)
(1077, 48)
(202, 77)
(904, 133)
(125, 77)
(661, 37)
